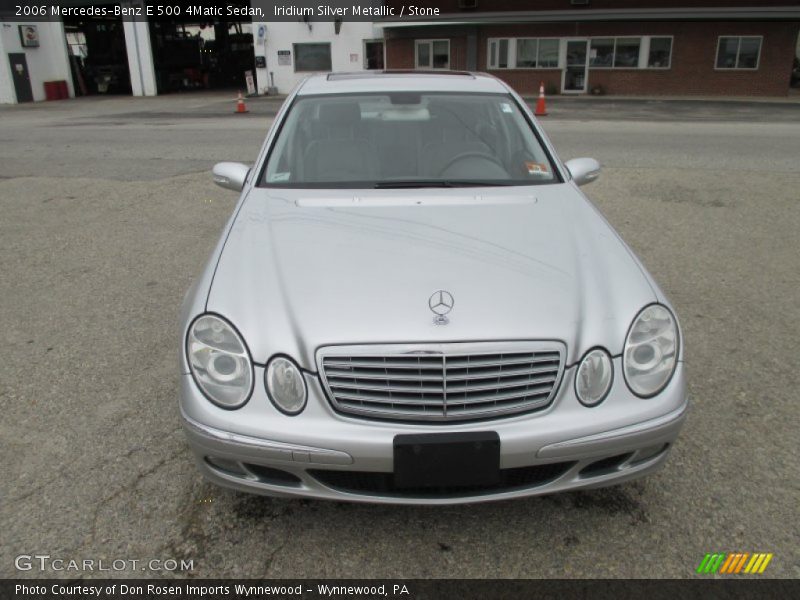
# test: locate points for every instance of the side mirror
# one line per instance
(583, 170)
(230, 175)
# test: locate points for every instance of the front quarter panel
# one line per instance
(195, 302)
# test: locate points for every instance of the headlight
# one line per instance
(651, 351)
(285, 385)
(220, 362)
(594, 376)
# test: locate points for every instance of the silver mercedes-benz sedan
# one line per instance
(413, 302)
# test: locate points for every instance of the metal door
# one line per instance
(21, 77)
(576, 69)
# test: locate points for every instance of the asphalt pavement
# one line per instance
(107, 213)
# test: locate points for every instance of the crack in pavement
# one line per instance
(130, 487)
(67, 473)
(271, 558)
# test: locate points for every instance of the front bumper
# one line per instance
(322, 454)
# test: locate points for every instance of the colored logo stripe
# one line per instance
(734, 562)
(758, 563)
(711, 563)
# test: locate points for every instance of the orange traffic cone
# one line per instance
(240, 106)
(541, 109)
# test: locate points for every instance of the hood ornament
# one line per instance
(441, 303)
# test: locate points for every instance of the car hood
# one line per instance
(301, 269)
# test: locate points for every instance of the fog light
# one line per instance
(650, 452)
(226, 465)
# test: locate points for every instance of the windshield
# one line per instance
(406, 139)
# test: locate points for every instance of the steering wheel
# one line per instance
(473, 154)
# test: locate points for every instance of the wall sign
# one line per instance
(284, 57)
(29, 36)
(251, 83)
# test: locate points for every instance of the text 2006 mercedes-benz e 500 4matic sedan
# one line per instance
(413, 302)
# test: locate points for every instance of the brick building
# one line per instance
(633, 47)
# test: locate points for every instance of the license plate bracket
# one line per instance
(451, 459)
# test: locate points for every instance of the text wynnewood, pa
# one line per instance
(184, 589)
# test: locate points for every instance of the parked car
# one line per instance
(413, 302)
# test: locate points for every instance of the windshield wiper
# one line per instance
(479, 183)
(410, 184)
(442, 183)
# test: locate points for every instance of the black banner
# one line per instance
(411, 589)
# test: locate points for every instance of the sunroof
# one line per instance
(395, 73)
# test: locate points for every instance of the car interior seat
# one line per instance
(340, 151)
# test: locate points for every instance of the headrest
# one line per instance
(445, 111)
(339, 113)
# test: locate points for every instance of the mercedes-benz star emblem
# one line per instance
(441, 303)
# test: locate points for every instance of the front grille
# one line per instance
(382, 484)
(441, 382)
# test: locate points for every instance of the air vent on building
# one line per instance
(467, 4)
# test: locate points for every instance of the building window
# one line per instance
(626, 53)
(660, 54)
(738, 52)
(601, 52)
(312, 57)
(619, 53)
(527, 53)
(373, 54)
(502, 54)
(499, 54)
(523, 53)
(548, 54)
(432, 54)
